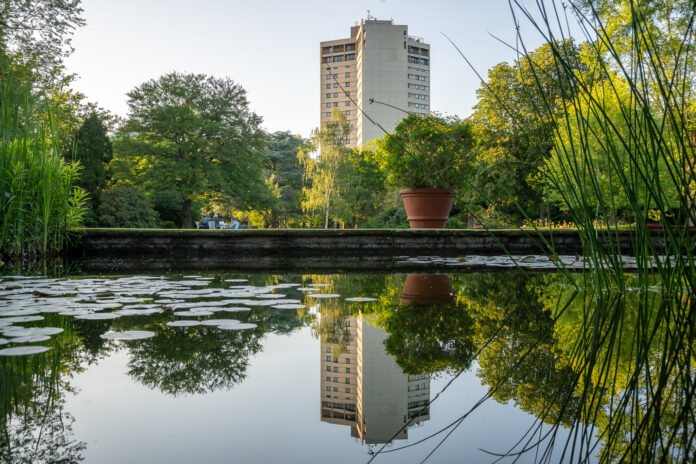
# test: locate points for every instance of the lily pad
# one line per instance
(138, 312)
(361, 299)
(30, 339)
(4, 341)
(97, 316)
(184, 323)
(271, 296)
(23, 350)
(289, 306)
(235, 309)
(306, 289)
(128, 335)
(240, 326)
(318, 285)
(324, 295)
(22, 319)
(215, 322)
(236, 280)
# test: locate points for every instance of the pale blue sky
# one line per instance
(271, 47)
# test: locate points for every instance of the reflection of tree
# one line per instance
(193, 360)
(34, 427)
(429, 338)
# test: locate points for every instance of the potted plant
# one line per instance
(428, 157)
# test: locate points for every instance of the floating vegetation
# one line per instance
(235, 309)
(361, 299)
(306, 289)
(128, 335)
(236, 280)
(238, 326)
(4, 341)
(324, 295)
(30, 339)
(97, 316)
(23, 350)
(185, 323)
(289, 306)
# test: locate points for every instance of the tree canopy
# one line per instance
(194, 134)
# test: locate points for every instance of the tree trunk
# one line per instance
(326, 218)
(186, 214)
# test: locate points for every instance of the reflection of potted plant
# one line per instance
(431, 289)
(429, 156)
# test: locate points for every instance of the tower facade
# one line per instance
(380, 63)
(363, 388)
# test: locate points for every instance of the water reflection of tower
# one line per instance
(364, 388)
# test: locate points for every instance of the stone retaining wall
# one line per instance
(129, 250)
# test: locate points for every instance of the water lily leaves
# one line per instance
(215, 322)
(30, 339)
(235, 309)
(4, 341)
(23, 350)
(184, 323)
(236, 280)
(289, 306)
(239, 326)
(128, 335)
(361, 299)
(97, 316)
(324, 295)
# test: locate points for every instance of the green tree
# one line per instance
(195, 135)
(93, 150)
(125, 206)
(285, 173)
(363, 191)
(513, 125)
(321, 173)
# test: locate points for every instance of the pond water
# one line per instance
(292, 368)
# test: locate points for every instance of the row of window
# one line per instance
(328, 389)
(328, 359)
(418, 69)
(347, 406)
(413, 59)
(335, 76)
(335, 104)
(338, 49)
(335, 94)
(417, 105)
(417, 404)
(417, 96)
(339, 58)
(335, 85)
(416, 387)
(416, 77)
(417, 86)
(328, 114)
(335, 379)
(328, 350)
(335, 369)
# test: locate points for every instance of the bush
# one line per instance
(124, 206)
(454, 223)
(393, 218)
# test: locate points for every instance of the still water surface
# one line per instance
(274, 368)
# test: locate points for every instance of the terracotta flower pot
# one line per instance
(427, 208)
(427, 289)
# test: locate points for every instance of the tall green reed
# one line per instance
(40, 204)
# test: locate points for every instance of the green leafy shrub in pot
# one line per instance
(427, 151)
